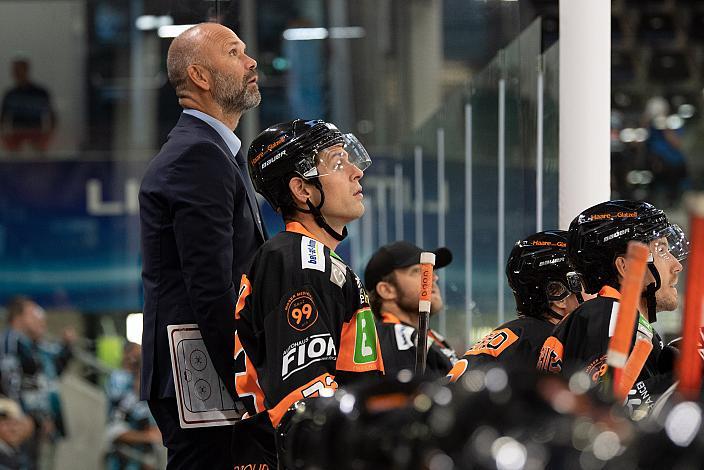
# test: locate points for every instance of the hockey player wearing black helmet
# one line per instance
(295, 166)
(546, 288)
(303, 319)
(598, 240)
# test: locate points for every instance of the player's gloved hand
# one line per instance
(642, 397)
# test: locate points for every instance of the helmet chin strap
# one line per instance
(552, 313)
(649, 293)
(318, 216)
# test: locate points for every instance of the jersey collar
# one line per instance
(387, 317)
(297, 227)
(608, 291)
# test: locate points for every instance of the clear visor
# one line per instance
(558, 290)
(337, 158)
(669, 243)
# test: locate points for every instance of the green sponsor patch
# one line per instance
(365, 343)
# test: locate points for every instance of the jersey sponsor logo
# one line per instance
(312, 254)
(307, 351)
(597, 369)
(252, 466)
(404, 337)
(365, 350)
(550, 359)
(639, 403)
(338, 271)
(494, 343)
(301, 311)
(363, 296)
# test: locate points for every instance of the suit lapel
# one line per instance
(187, 120)
(241, 164)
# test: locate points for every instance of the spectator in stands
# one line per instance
(132, 432)
(122, 380)
(15, 428)
(664, 150)
(29, 368)
(26, 116)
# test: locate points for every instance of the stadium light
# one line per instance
(134, 325)
(171, 31)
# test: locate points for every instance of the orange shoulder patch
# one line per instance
(494, 343)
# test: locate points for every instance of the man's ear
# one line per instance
(386, 290)
(200, 76)
(620, 264)
(300, 190)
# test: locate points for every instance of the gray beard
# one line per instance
(231, 98)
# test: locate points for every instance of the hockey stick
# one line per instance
(631, 288)
(427, 261)
(630, 372)
(689, 364)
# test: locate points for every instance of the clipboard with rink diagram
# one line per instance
(201, 396)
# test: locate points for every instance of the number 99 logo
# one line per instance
(300, 311)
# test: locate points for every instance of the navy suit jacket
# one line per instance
(200, 227)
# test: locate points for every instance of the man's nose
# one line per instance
(356, 172)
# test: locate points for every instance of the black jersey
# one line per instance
(581, 340)
(398, 348)
(302, 317)
(516, 343)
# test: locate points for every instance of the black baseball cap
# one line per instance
(399, 255)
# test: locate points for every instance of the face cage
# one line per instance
(357, 155)
(572, 285)
(676, 245)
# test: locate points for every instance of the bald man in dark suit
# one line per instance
(200, 227)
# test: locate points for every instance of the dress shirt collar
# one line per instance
(227, 134)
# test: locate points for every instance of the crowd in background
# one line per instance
(32, 421)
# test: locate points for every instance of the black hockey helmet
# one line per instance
(539, 271)
(293, 148)
(601, 233)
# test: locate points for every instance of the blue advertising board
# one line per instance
(69, 234)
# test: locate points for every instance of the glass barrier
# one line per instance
(467, 180)
(550, 72)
